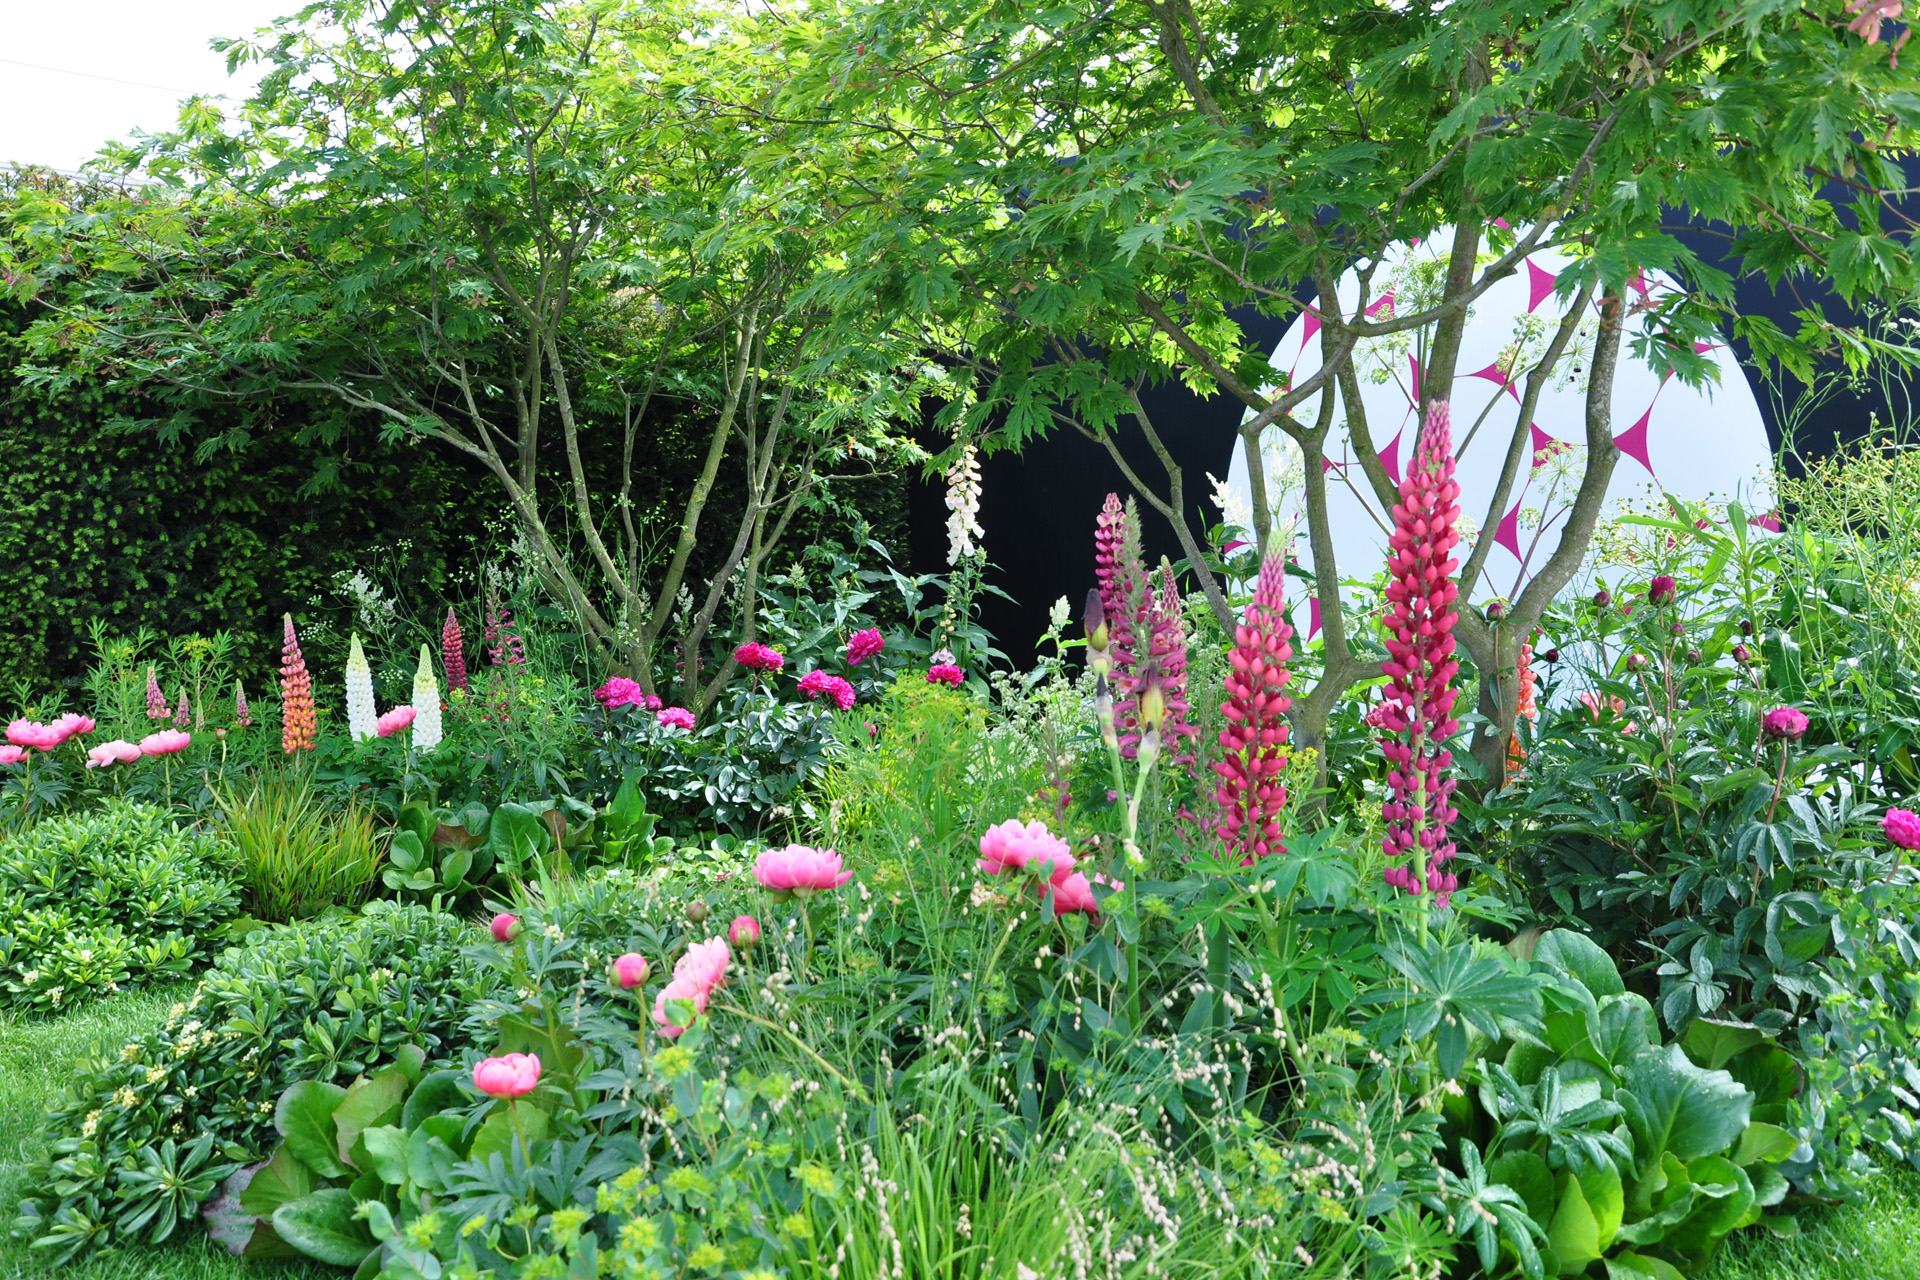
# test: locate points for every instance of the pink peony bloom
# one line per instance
(678, 989)
(1075, 893)
(630, 970)
(862, 645)
(31, 733)
(508, 1077)
(622, 692)
(1010, 846)
(673, 718)
(1902, 826)
(394, 721)
(744, 932)
(945, 673)
(73, 724)
(815, 683)
(119, 751)
(1784, 724)
(504, 928)
(704, 964)
(799, 869)
(758, 657)
(164, 743)
(1613, 706)
(11, 754)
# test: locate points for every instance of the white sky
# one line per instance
(136, 60)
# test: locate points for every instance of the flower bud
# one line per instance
(697, 911)
(629, 971)
(743, 933)
(505, 928)
(1551, 655)
(1094, 619)
(1693, 657)
(1496, 610)
(1742, 655)
(1661, 590)
(1636, 662)
(1677, 629)
(1153, 698)
(1746, 626)
(1601, 599)
(1784, 724)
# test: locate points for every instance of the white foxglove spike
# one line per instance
(362, 718)
(426, 704)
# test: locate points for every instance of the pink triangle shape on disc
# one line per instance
(1539, 286)
(1312, 327)
(1541, 440)
(1385, 300)
(1413, 371)
(1508, 534)
(1390, 457)
(1633, 441)
(1493, 373)
(1313, 616)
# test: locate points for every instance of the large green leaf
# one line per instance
(437, 1092)
(1673, 1106)
(304, 1117)
(1636, 1266)
(322, 1225)
(1714, 1044)
(1725, 1201)
(1580, 958)
(385, 1150)
(1624, 1028)
(370, 1102)
(497, 1133)
(1764, 1143)
(1528, 1174)
(281, 1179)
(516, 837)
(1574, 1233)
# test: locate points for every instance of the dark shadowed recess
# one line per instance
(1038, 507)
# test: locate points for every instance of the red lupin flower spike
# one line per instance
(1251, 794)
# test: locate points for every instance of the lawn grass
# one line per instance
(1876, 1239)
(35, 1057)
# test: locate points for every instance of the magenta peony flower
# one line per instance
(673, 718)
(678, 989)
(1784, 724)
(1902, 826)
(799, 869)
(1253, 743)
(164, 743)
(755, 656)
(630, 971)
(945, 673)
(1013, 846)
(508, 1077)
(622, 692)
(743, 933)
(1421, 666)
(11, 754)
(504, 927)
(394, 721)
(157, 708)
(119, 751)
(862, 645)
(816, 682)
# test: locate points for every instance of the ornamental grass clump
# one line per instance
(1251, 794)
(1420, 668)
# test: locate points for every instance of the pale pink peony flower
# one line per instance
(1902, 826)
(508, 1077)
(394, 721)
(673, 718)
(704, 964)
(73, 724)
(164, 743)
(1012, 846)
(862, 645)
(678, 989)
(799, 869)
(630, 971)
(119, 751)
(11, 754)
(31, 733)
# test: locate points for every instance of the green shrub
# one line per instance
(92, 902)
(297, 855)
(325, 1000)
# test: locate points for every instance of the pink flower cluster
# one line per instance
(816, 682)
(702, 969)
(862, 645)
(1016, 848)
(622, 692)
(157, 708)
(1251, 794)
(1421, 666)
(945, 673)
(755, 656)
(799, 869)
(673, 718)
(45, 737)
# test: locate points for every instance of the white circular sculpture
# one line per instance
(1705, 444)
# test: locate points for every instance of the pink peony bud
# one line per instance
(504, 927)
(743, 933)
(1661, 590)
(1784, 724)
(630, 971)
(1902, 826)
(509, 1077)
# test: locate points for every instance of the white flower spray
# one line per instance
(362, 719)
(426, 704)
(963, 506)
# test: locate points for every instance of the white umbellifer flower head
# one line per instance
(426, 704)
(362, 719)
(963, 506)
